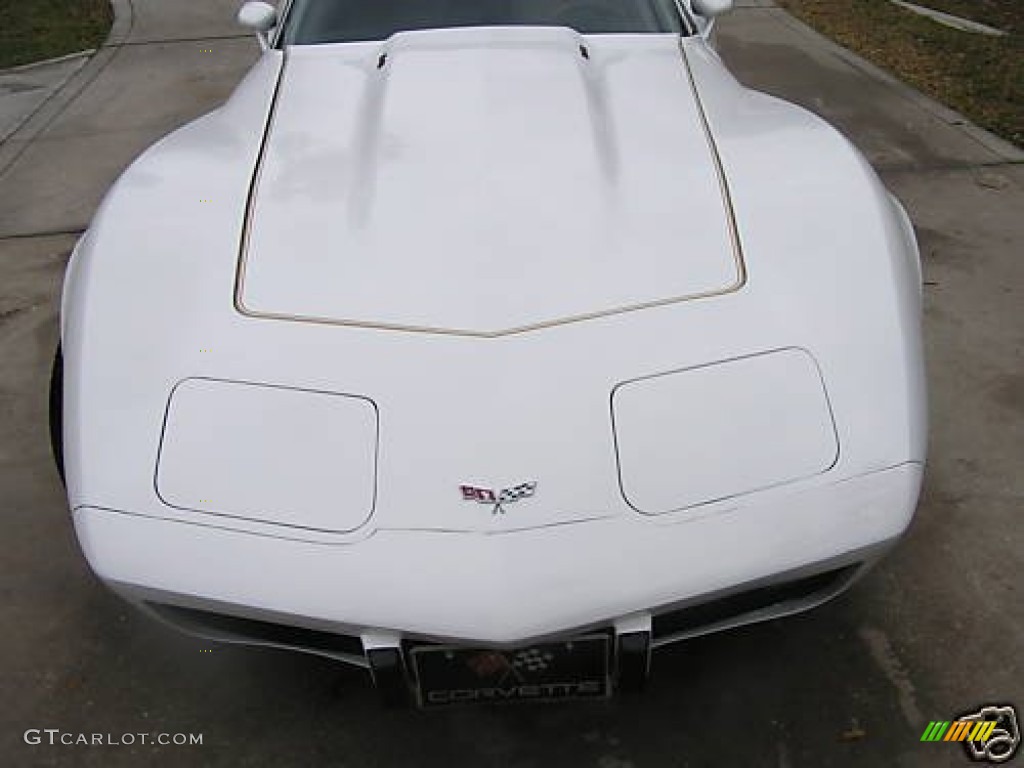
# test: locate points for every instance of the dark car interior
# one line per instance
(337, 21)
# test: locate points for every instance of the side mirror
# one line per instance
(260, 17)
(709, 9)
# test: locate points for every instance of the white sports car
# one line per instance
(489, 345)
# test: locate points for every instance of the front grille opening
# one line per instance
(256, 631)
(751, 601)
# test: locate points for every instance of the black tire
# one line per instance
(57, 411)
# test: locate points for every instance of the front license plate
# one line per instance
(571, 669)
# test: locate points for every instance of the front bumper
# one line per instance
(505, 589)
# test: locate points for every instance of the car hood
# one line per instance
(485, 181)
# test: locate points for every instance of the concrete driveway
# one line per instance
(933, 632)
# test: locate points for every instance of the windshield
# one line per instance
(342, 21)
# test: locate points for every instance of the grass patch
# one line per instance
(32, 30)
(978, 75)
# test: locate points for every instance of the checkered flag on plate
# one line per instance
(532, 660)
